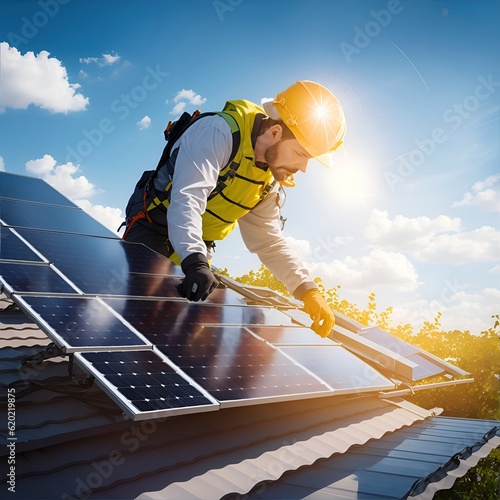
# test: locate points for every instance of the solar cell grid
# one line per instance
(13, 248)
(162, 319)
(339, 368)
(35, 278)
(141, 382)
(107, 266)
(225, 296)
(232, 364)
(49, 217)
(25, 188)
(290, 336)
(79, 323)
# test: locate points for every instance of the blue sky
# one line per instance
(410, 210)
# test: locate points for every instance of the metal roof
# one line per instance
(412, 462)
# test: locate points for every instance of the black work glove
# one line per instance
(199, 281)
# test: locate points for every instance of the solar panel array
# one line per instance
(114, 305)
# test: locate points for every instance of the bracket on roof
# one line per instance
(406, 389)
(51, 351)
(83, 381)
(11, 308)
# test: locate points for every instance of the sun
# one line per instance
(351, 180)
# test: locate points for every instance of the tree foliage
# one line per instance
(262, 277)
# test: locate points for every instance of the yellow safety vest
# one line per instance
(241, 185)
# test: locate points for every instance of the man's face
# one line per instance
(285, 158)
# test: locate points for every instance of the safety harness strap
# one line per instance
(172, 133)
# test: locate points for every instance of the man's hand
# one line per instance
(319, 311)
(199, 281)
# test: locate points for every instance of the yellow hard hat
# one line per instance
(314, 116)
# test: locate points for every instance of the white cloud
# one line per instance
(480, 245)
(110, 59)
(77, 189)
(2, 164)
(105, 60)
(377, 270)
(325, 248)
(39, 80)
(61, 177)
(178, 108)
(301, 247)
(433, 240)
(41, 166)
(107, 216)
(461, 310)
(190, 96)
(121, 68)
(184, 97)
(484, 194)
(403, 233)
(144, 122)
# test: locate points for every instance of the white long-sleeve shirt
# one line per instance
(203, 151)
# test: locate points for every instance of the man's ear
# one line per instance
(276, 133)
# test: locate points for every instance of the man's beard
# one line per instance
(279, 171)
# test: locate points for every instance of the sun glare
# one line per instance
(321, 112)
(351, 180)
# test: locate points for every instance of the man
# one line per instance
(224, 170)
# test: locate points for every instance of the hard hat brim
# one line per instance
(328, 159)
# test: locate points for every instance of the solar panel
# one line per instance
(162, 318)
(426, 364)
(226, 296)
(33, 278)
(107, 266)
(81, 323)
(234, 366)
(13, 248)
(50, 217)
(388, 341)
(20, 187)
(425, 368)
(291, 336)
(145, 385)
(339, 368)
